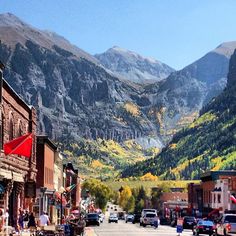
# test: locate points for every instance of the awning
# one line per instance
(5, 174)
(18, 177)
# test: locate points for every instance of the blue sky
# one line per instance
(176, 32)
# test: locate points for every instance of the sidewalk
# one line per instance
(89, 231)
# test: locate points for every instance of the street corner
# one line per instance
(89, 231)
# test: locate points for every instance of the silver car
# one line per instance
(226, 225)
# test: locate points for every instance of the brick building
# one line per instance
(213, 193)
(17, 173)
(46, 158)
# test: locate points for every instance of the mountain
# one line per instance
(74, 96)
(209, 143)
(176, 100)
(132, 66)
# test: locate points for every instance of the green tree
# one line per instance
(130, 204)
(100, 191)
(125, 194)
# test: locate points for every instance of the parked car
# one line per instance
(92, 219)
(147, 219)
(204, 227)
(136, 218)
(226, 225)
(189, 222)
(113, 218)
(121, 215)
(148, 210)
(129, 218)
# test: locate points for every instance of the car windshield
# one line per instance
(230, 218)
(206, 223)
(150, 215)
(113, 215)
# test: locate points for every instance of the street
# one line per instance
(129, 229)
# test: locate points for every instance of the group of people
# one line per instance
(26, 220)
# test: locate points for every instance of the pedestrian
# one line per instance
(155, 222)
(31, 223)
(1, 220)
(81, 225)
(21, 220)
(43, 220)
(26, 219)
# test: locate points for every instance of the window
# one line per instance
(20, 132)
(11, 128)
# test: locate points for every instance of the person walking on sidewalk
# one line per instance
(43, 220)
(32, 224)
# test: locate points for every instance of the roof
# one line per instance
(214, 175)
(41, 139)
(14, 94)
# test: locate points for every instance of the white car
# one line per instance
(113, 218)
(226, 225)
(147, 219)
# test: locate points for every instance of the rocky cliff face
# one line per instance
(73, 95)
(77, 97)
(133, 67)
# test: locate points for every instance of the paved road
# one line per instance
(129, 229)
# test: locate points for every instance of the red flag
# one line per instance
(232, 197)
(21, 146)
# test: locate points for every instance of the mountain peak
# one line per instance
(226, 48)
(132, 66)
(8, 19)
(13, 30)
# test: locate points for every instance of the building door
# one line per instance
(13, 207)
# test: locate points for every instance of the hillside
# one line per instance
(104, 159)
(209, 143)
(78, 98)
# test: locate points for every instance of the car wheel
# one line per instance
(144, 225)
(117, 222)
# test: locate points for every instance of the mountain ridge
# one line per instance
(131, 66)
(206, 144)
